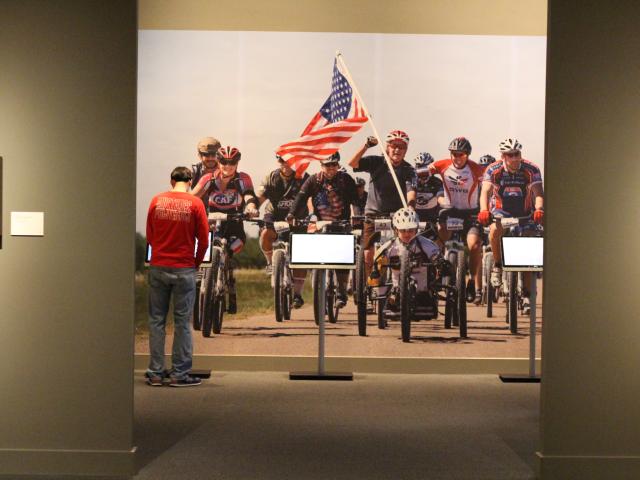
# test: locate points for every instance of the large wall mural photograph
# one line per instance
(276, 100)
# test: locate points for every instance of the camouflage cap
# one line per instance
(208, 144)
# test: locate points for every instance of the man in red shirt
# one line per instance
(174, 221)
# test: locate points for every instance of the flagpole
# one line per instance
(375, 131)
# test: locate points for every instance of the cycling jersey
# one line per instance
(281, 193)
(331, 198)
(231, 199)
(461, 185)
(427, 192)
(383, 193)
(512, 191)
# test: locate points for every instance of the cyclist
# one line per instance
(428, 191)
(279, 189)
(207, 148)
(383, 196)
(405, 227)
(332, 193)
(516, 186)
(228, 191)
(486, 160)
(461, 179)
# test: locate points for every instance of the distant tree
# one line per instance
(251, 255)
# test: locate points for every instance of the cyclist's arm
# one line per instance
(310, 206)
(304, 195)
(355, 160)
(203, 185)
(485, 195)
(536, 191)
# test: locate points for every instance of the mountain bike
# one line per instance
(331, 278)
(282, 277)
(370, 291)
(219, 282)
(455, 312)
(513, 282)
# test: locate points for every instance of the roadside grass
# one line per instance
(255, 297)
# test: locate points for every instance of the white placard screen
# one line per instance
(522, 253)
(327, 250)
(207, 255)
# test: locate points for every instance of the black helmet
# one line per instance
(486, 160)
(460, 144)
(335, 158)
(360, 182)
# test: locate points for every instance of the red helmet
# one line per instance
(397, 135)
(228, 153)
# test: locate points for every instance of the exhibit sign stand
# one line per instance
(322, 252)
(525, 254)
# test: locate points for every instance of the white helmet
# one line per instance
(510, 145)
(405, 219)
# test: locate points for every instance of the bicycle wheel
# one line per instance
(360, 297)
(197, 304)
(461, 275)
(278, 284)
(512, 302)
(288, 294)
(209, 293)
(406, 296)
(450, 304)
(330, 296)
(315, 283)
(489, 290)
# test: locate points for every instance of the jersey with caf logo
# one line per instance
(231, 199)
(461, 185)
(512, 191)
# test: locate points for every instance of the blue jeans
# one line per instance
(163, 282)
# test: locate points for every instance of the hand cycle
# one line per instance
(218, 282)
(331, 278)
(513, 287)
(372, 289)
(455, 310)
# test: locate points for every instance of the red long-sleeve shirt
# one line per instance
(174, 221)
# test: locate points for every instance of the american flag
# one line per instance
(339, 118)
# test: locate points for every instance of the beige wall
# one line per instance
(468, 17)
(590, 425)
(67, 137)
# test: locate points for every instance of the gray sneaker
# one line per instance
(496, 276)
(187, 381)
(153, 379)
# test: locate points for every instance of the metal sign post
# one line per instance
(321, 374)
(531, 377)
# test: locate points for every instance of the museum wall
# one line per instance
(591, 387)
(67, 138)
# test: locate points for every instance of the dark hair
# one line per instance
(181, 174)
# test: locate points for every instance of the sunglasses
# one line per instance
(330, 165)
(207, 154)
(512, 154)
(224, 161)
(458, 154)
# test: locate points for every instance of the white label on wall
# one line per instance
(27, 224)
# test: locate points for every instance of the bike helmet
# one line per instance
(208, 145)
(335, 158)
(460, 144)
(360, 182)
(397, 135)
(423, 160)
(229, 154)
(510, 145)
(405, 219)
(486, 160)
